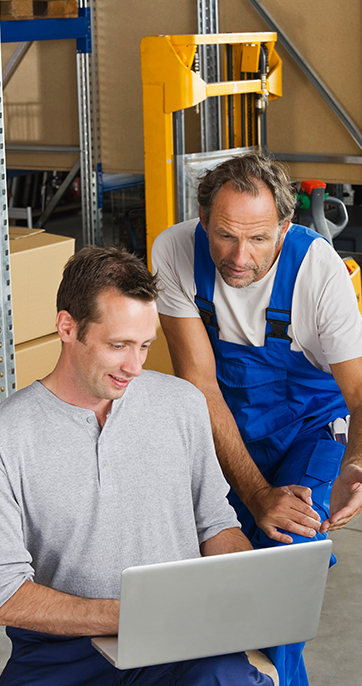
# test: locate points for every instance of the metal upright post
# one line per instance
(179, 153)
(210, 110)
(7, 349)
(90, 153)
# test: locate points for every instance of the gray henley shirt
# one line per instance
(78, 505)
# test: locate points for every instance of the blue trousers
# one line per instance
(43, 660)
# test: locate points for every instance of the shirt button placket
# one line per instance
(104, 464)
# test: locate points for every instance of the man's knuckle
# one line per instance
(282, 502)
(304, 520)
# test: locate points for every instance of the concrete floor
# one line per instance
(334, 657)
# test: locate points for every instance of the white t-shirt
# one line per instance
(325, 322)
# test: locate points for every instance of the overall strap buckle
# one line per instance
(207, 312)
(279, 321)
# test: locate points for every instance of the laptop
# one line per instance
(219, 604)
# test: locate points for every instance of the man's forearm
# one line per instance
(227, 541)
(193, 359)
(286, 507)
(346, 496)
(353, 454)
(43, 609)
(237, 465)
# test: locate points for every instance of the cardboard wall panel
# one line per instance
(121, 26)
(40, 104)
(328, 37)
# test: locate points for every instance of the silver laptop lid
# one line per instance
(220, 604)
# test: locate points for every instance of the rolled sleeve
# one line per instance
(15, 559)
(172, 259)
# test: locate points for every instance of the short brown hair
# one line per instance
(93, 270)
(243, 171)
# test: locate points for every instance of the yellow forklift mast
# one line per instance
(251, 72)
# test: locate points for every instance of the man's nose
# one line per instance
(132, 363)
(241, 254)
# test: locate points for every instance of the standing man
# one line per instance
(102, 468)
(261, 316)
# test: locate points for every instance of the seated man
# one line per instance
(102, 468)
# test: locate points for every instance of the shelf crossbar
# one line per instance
(25, 30)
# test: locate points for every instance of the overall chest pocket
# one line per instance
(257, 395)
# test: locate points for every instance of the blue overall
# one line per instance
(282, 405)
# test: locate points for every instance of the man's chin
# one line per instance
(237, 281)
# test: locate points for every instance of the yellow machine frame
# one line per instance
(355, 274)
(170, 84)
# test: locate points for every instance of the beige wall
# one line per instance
(120, 89)
(41, 102)
(327, 33)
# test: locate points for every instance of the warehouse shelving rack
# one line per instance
(83, 29)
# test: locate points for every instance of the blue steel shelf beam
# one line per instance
(50, 29)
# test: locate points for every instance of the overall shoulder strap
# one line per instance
(204, 274)
(278, 314)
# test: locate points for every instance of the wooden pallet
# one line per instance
(38, 9)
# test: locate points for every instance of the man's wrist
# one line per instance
(255, 499)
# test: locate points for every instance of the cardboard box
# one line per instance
(36, 359)
(37, 260)
(159, 358)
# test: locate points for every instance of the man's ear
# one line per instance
(202, 219)
(285, 228)
(66, 326)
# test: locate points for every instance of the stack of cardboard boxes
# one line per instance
(37, 260)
